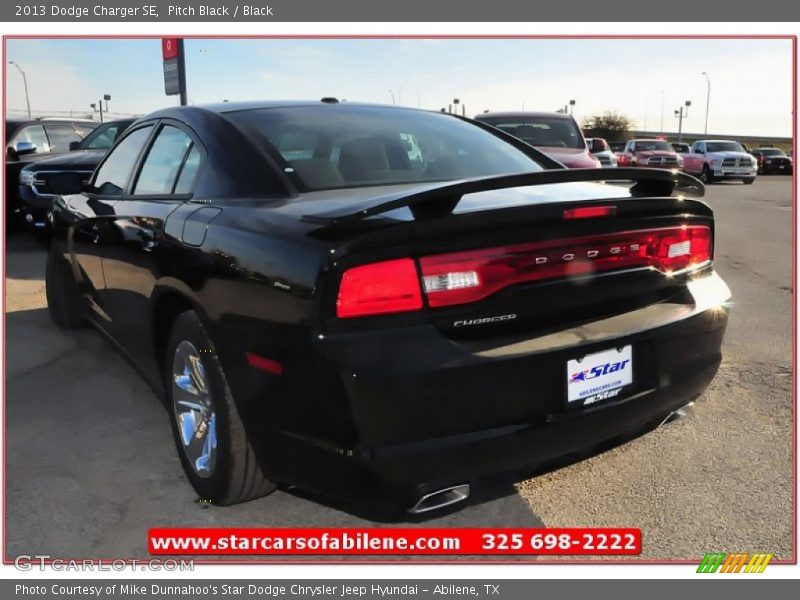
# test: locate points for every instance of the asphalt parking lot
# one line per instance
(90, 463)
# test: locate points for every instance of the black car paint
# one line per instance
(385, 408)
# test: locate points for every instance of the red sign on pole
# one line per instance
(169, 48)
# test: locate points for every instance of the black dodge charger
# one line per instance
(384, 305)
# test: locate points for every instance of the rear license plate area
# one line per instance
(607, 375)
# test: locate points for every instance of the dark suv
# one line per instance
(29, 140)
(772, 161)
(34, 179)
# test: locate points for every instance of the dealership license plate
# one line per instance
(599, 376)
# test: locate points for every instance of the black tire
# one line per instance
(706, 177)
(64, 302)
(236, 475)
(748, 180)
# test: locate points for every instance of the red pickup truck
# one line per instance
(657, 154)
(714, 160)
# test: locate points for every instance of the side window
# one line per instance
(188, 171)
(701, 147)
(112, 175)
(164, 162)
(83, 130)
(61, 136)
(35, 135)
(102, 139)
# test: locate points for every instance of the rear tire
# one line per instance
(64, 302)
(211, 439)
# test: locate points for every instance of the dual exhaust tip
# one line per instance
(440, 498)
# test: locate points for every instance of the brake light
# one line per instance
(390, 286)
(589, 212)
(462, 277)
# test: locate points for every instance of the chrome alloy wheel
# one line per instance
(194, 409)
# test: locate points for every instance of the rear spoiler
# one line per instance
(442, 198)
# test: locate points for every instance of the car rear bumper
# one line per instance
(444, 416)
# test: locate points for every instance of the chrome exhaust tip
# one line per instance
(679, 414)
(440, 499)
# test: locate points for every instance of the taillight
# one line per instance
(462, 277)
(390, 286)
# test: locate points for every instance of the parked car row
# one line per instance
(560, 137)
(39, 149)
(35, 195)
(30, 140)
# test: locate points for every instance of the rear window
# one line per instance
(649, 146)
(548, 132)
(347, 146)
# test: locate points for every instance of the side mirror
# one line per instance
(65, 184)
(74, 145)
(701, 151)
(23, 148)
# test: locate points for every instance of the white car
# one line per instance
(600, 149)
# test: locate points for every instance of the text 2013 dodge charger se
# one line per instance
(381, 304)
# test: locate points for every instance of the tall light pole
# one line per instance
(681, 115)
(393, 100)
(571, 107)
(708, 97)
(661, 129)
(24, 83)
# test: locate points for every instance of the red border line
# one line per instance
(484, 560)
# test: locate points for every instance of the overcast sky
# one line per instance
(751, 83)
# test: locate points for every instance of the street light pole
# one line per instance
(708, 98)
(25, 84)
(393, 100)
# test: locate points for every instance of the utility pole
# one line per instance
(681, 115)
(25, 84)
(708, 98)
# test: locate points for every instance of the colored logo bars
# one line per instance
(734, 563)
